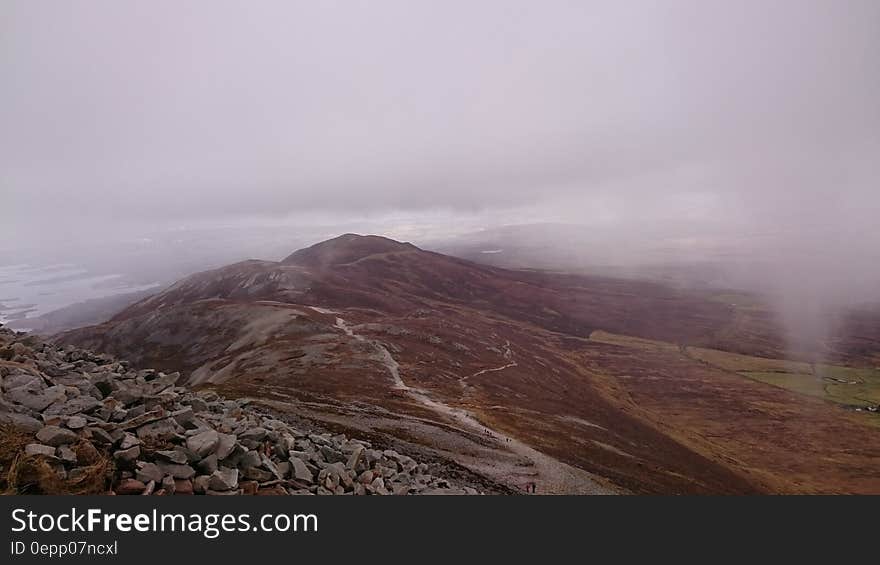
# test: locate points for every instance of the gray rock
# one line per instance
(208, 465)
(341, 475)
(224, 479)
(332, 455)
(169, 485)
(66, 454)
(225, 445)
(400, 490)
(269, 465)
(355, 457)
(172, 456)
(99, 435)
(373, 456)
(128, 441)
(147, 472)
(284, 468)
(163, 382)
(177, 471)
(256, 434)
(203, 444)
(55, 436)
(128, 395)
(39, 449)
(184, 416)
(200, 484)
(378, 486)
(300, 471)
(22, 380)
(76, 422)
(127, 455)
(105, 383)
(81, 404)
(21, 421)
(257, 474)
(159, 430)
(198, 405)
(145, 418)
(250, 459)
(36, 399)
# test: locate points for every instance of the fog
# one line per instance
(162, 137)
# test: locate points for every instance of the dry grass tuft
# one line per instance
(34, 474)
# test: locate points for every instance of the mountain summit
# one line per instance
(346, 248)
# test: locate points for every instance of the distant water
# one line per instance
(29, 291)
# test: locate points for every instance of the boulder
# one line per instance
(208, 465)
(250, 459)
(172, 456)
(200, 484)
(66, 454)
(128, 441)
(99, 435)
(55, 436)
(145, 418)
(149, 472)
(177, 471)
(332, 455)
(127, 455)
(256, 434)
(22, 380)
(21, 421)
(355, 457)
(203, 444)
(76, 422)
(36, 399)
(39, 449)
(81, 404)
(158, 430)
(224, 479)
(257, 474)
(225, 445)
(270, 465)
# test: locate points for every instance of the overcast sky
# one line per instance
(752, 124)
(748, 113)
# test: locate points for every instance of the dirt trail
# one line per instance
(550, 475)
(508, 355)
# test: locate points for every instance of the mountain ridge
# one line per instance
(488, 366)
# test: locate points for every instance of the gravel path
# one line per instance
(550, 475)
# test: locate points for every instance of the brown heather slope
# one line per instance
(485, 366)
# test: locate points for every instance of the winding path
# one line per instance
(549, 474)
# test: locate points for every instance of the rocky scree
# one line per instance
(78, 422)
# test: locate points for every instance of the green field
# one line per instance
(850, 386)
